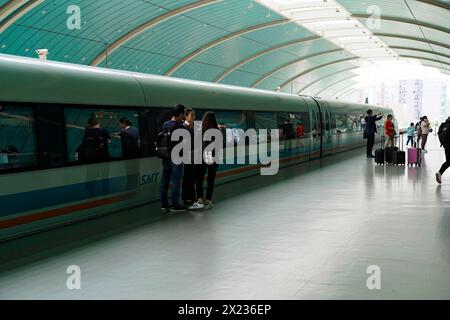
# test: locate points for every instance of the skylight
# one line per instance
(332, 21)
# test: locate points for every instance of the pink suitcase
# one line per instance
(414, 157)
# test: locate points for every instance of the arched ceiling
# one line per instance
(265, 44)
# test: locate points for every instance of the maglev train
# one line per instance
(44, 108)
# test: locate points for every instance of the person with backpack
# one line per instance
(370, 129)
(171, 172)
(444, 138)
(129, 137)
(95, 142)
(209, 166)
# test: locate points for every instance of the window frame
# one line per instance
(35, 166)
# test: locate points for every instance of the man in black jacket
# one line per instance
(370, 130)
(446, 146)
(172, 173)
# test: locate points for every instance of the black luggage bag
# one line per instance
(390, 151)
(399, 156)
(379, 156)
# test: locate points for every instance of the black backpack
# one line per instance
(163, 143)
(94, 146)
(444, 134)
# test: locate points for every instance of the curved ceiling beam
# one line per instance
(316, 68)
(402, 20)
(11, 6)
(338, 94)
(148, 25)
(422, 58)
(390, 35)
(335, 94)
(347, 92)
(324, 77)
(436, 3)
(421, 50)
(261, 53)
(447, 71)
(335, 83)
(216, 42)
(20, 12)
(272, 72)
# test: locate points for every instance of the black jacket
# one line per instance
(371, 126)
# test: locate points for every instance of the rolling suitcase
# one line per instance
(399, 156)
(379, 154)
(414, 156)
(390, 154)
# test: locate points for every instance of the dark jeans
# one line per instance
(424, 141)
(188, 185)
(370, 143)
(410, 139)
(212, 171)
(171, 173)
(446, 164)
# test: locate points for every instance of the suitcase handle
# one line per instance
(400, 135)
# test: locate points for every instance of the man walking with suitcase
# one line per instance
(444, 138)
(370, 130)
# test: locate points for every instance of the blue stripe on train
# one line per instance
(37, 199)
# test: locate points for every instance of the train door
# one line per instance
(316, 129)
(327, 144)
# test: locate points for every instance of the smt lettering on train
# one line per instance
(149, 178)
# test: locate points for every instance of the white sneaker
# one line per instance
(439, 178)
(196, 206)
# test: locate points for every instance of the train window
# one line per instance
(233, 120)
(150, 123)
(293, 125)
(100, 144)
(17, 137)
(50, 133)
(266, 120)
(302, 125)
(348, 122)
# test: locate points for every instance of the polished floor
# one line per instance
(309, 233)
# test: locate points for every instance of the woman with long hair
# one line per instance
(208, 165)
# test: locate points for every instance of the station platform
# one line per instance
(310, 232)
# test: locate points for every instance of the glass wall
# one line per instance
(17, 137)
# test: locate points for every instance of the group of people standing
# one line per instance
(422, 128)
(188, 177)
(371, 129)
